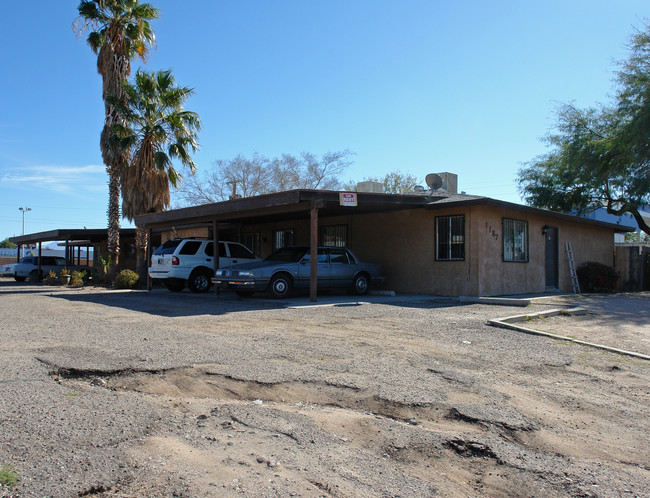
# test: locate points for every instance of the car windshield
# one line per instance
(288, 254)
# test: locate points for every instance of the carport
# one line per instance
(74, 239)
(275, 207)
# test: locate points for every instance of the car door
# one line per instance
(341, 270)
(323, 269)
(224, 259)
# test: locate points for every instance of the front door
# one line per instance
(551, 257)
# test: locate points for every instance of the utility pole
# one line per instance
(24, 210)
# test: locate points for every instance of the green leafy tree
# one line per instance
(119, 32)
(600, 156)
(5, 244)
(156, 131)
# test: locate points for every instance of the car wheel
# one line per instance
(244, 293)
(199, 281)
(280, 286)
(19, 279)
(360, 285)
(175, 286)
(34, 276)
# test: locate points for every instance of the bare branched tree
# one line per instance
(246, 177)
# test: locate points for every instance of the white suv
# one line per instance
(191, 261)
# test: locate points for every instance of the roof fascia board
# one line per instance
(276, 203)
(68, 234)
(487, 201)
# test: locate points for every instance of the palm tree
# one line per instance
(120, 31)
(156, 130)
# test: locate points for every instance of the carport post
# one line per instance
(215, 254)
(148, 262)
(40, 259)
(313, 251)
(18, 248)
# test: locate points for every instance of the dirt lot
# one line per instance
(111, 393)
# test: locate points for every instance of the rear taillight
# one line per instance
(175, 261)
(151, 262)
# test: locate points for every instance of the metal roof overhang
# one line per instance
(293, 204)
(87, 235)
(486, 201)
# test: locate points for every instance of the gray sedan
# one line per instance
(289, 268)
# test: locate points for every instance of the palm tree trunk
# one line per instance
(113, 213)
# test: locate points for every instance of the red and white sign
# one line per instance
(348, 199)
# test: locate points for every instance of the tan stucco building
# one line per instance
(442, 244)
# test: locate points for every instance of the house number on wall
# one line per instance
(492, 231)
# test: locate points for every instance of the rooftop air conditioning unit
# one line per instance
(370, 186)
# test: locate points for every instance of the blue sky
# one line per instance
(418, 86)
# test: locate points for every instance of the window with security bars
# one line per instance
(515, 240)
(334, 236)
(450, 238)
(282, 238)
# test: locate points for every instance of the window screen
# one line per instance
(335, 235)
(450, 238)
(282, 238)
(515, 240)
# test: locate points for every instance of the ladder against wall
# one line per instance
(572, 269)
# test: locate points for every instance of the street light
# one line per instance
(24, 210)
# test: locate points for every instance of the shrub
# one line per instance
(8, 476)
(597, 277)
(77, 278)
(126, 279)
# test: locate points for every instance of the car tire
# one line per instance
(244, 293)
(34, 276)
(175, 286)
(280, 286)
(360, 285)
(19, 279)
(199, 281)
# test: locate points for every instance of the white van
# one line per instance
(191, 261)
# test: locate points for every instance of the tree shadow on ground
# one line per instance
(629, 307)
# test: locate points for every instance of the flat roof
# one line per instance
(294, 204)
(92, 235)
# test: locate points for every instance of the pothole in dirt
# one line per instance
(198, 382)
(491, 416)
(201, 382)
(471, 449)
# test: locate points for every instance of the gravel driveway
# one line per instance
(114, 393)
